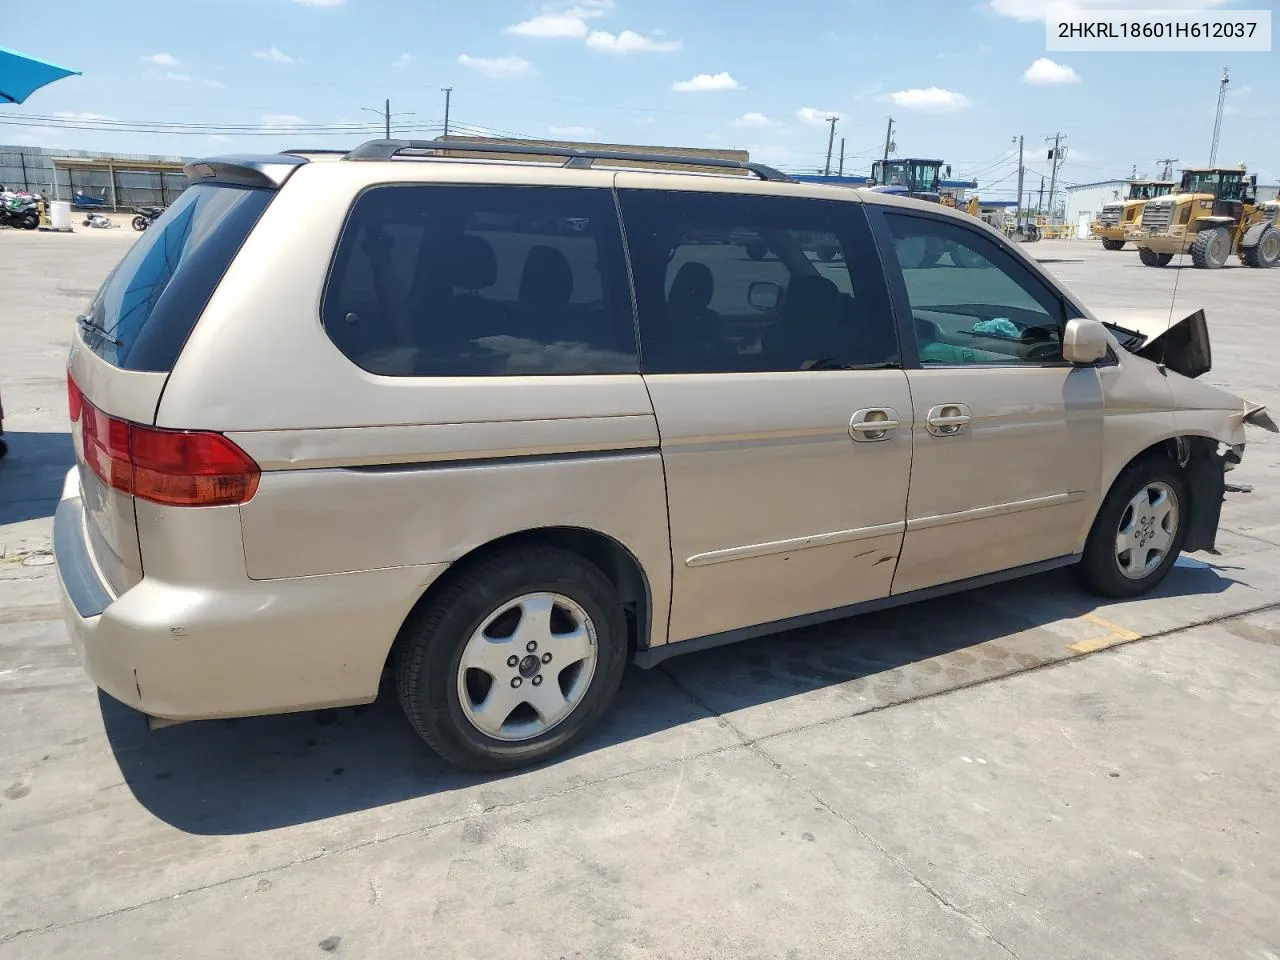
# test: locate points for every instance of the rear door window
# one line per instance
(741, 284)
(150, 303)
(437, 280)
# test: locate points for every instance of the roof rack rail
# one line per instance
(576, 157)
(317, 150)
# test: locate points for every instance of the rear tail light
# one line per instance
(74, 398)
(179, 468)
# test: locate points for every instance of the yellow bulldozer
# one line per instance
(1214, 213)
(1114, 218)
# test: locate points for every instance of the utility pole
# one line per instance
(839, 172)
(1168, 167)
(1040, 202)
(1217, 122)
(831, 140)
(888, 139)
(1056, 155)
(385, 114)
(448, 92)
(1017, 215)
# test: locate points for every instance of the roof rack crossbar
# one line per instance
(576, 157)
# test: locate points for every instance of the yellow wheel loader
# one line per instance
(1116, 218)
(1213, 214)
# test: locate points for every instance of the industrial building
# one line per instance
(110, 181)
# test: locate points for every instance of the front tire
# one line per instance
(139, 223)
(1139, 532)
(519, 656)
(1112, 244)
(1150, 258)
(1211, 248)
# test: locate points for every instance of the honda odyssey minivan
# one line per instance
(501, 425)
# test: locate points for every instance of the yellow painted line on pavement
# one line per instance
(1114, 636)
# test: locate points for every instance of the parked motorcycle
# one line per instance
(20, 210)
(145, 217)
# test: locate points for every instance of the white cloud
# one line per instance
(933, 99)
(81, 116)
(275, 55)
(219, 138)
(751, 119)
(572, 131)
(703, 82)
(216, 84)
(178, 77)
(320, 3)
(550, 25)
(810, 115)
(647, 121)
(498, 68)
(281, 121)
(1046, 73)
(163, 60)
(559, 20)
(1038, 10)
(628, 41)
(402, 61)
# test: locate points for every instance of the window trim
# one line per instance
(628, 296)
(900, 300)
(856, 228)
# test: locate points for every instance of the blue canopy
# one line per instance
(20, 75)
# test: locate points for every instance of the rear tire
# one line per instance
(446, 703)
(1112, 244)
(1266, 252)
(1119, 558)
(139, 223)
(1150, 258)
(1211, 248)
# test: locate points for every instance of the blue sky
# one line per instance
(750, 74)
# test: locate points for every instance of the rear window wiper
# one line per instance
(91, 324)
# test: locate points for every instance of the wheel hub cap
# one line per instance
(1147, 530)
(527, 667)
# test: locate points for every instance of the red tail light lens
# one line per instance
(189, 469)
(74, 398)
(178, 468)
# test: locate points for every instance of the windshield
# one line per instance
(1148, 191)
(149, 304)
(893, 173)
(1226, 185)
(925, 177)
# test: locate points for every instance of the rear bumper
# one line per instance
(193, 652)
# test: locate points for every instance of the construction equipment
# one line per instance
(1214, 213)
(909, 177)
(1115, 219)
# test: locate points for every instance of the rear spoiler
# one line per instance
(269, 170)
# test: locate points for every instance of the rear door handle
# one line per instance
(874, 423)
(948, 419)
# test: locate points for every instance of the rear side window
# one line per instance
(445, 281)
(150, 303)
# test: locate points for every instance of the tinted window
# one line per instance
(152, 300)
(973, 302)
(481, 281)
(729, 283)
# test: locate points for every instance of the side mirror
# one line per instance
(1084, 342)
(764, 295)
(948, 171)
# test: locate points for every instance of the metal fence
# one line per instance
(109, 181)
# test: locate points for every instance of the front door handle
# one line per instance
(948, 419)
(874, 423)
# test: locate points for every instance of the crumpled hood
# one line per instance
(1183, 348)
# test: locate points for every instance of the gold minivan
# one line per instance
(500, 425)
